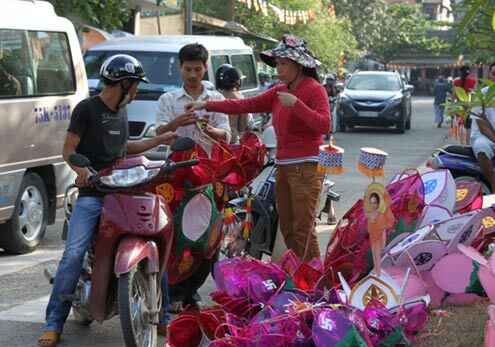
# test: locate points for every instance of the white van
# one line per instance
(42, 78)
(160, 58)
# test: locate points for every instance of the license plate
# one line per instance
(368, 114)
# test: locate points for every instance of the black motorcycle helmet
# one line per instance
(227, 77)
(330, 79)
(122, 67)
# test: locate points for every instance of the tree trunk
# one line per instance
(230, 10)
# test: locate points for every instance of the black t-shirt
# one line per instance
(103, 134)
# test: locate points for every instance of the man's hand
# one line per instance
(167, 138)
(196, 106)
(287, 99)
(83, 175)
(182, 120)
(216, 133)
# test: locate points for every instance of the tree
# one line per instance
(366, 17)
(474, 33)
(107, 15)
(326, 37)
(404, 29)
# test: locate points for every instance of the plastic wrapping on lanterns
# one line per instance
(348, 251)
(249, 278)
(333, 328)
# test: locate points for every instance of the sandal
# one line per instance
(49, 339)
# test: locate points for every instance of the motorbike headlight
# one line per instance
(129, 177)
(151, 132)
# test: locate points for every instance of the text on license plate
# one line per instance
(368, 114)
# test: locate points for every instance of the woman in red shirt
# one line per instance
(301, 116)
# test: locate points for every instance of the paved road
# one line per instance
(24, 291)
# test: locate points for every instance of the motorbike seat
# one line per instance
(459, 150)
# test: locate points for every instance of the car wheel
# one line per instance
(341, 124)
(24, 232)
(401, 125)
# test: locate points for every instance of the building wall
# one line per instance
(170, 25)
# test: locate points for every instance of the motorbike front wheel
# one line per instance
(134, 296)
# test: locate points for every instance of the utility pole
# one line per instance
(158, 23)
(188, 14)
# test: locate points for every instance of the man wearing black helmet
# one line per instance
(98, 129)
(228, 82)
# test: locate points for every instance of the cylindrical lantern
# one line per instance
(372, 161)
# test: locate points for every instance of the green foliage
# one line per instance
(326, 37)
(105, 14)
(475, 35)
(387, 31)
(405, 29)
(366, 16)
(474, 104)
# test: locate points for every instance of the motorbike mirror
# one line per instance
(79, 160)
(182, 144)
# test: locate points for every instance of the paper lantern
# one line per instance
(372, 161)
(454, 273)
(330, 159)
(439, 189)
(433, 214)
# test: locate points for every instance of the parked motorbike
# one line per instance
(461, 162)
(263, 206)
(123, 269)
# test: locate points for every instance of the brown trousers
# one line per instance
(297, 190)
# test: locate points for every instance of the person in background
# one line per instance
(264, 81)
(301, 116)
(440, 90)
(228, 81)
(9, 85)
(468, 83)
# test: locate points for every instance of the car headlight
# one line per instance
(396, 100)
(129, 177)
(151, 132)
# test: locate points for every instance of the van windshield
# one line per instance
(161, 68)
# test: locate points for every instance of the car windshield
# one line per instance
(162, 70)
(374, 82)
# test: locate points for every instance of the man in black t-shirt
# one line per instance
(99, 130)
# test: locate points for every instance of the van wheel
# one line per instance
(24, 232)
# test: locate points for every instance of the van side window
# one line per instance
(52, 63)
(245, 63)
(14, 64)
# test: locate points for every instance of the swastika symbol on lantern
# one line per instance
(269, 285)
(327, 324)
(423, 258)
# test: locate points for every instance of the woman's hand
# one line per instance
(287, 99)
(196, 106)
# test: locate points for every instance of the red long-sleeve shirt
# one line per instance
(299, 129)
